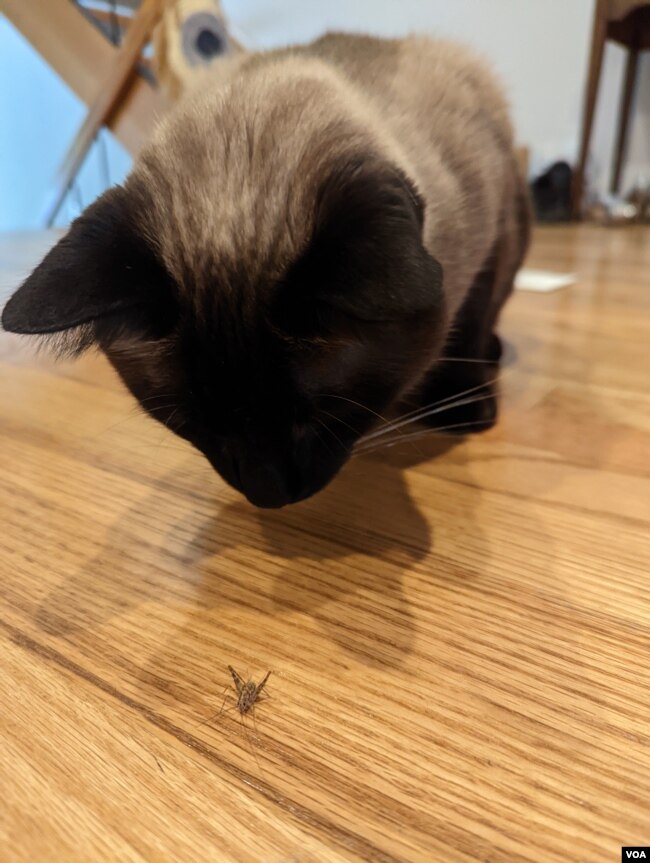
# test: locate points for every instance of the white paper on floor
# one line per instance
(542, 281)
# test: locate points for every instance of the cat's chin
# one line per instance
(266, 487)
(272, 499)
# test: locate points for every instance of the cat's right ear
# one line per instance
(101, 282)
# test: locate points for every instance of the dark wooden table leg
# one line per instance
(624, 117)
(595, 65)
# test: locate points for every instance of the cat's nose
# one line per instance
(264, 485)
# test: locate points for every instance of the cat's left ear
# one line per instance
(366, 261)
(100, 282)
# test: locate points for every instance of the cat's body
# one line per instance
(431, 107)
(311, 230)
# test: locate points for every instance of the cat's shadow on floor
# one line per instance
(341, 560)
(367, 510)
(358, 537)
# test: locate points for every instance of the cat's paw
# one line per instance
(495, 348)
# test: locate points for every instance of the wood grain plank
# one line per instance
(118, 750)
(106, 103)
(457, 630)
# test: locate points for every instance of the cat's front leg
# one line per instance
(459, 397)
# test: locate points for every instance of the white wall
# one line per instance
(539, 47)
(638, 154)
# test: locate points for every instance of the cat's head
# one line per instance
(272, 346)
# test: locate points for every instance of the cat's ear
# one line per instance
(100, 282)
(366, 258)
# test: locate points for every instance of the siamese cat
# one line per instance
(305, 241)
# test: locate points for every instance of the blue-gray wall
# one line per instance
(39, 115)
(540, 49)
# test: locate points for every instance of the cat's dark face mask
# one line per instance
(275, 391)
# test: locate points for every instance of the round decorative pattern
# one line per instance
(204, 37)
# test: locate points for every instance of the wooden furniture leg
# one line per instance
(624, 117)
(105, 103)
(82, 57)
(595, 66)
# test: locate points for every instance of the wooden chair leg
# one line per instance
(624, 117)
(595, 66)
(110, 93)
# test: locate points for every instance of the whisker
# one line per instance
(171, 417)
(133, 414)
(339, 420)
(467, 360)
(358, 404)
(328, 429)
(419, 434)
(159, 408)
(159, 396)
(324, 442)
(363, 407)
(436, 410)
(414, 415)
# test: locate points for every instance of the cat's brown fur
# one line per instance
(279, 120)
(303, 240)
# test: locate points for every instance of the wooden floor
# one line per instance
(459, 636)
